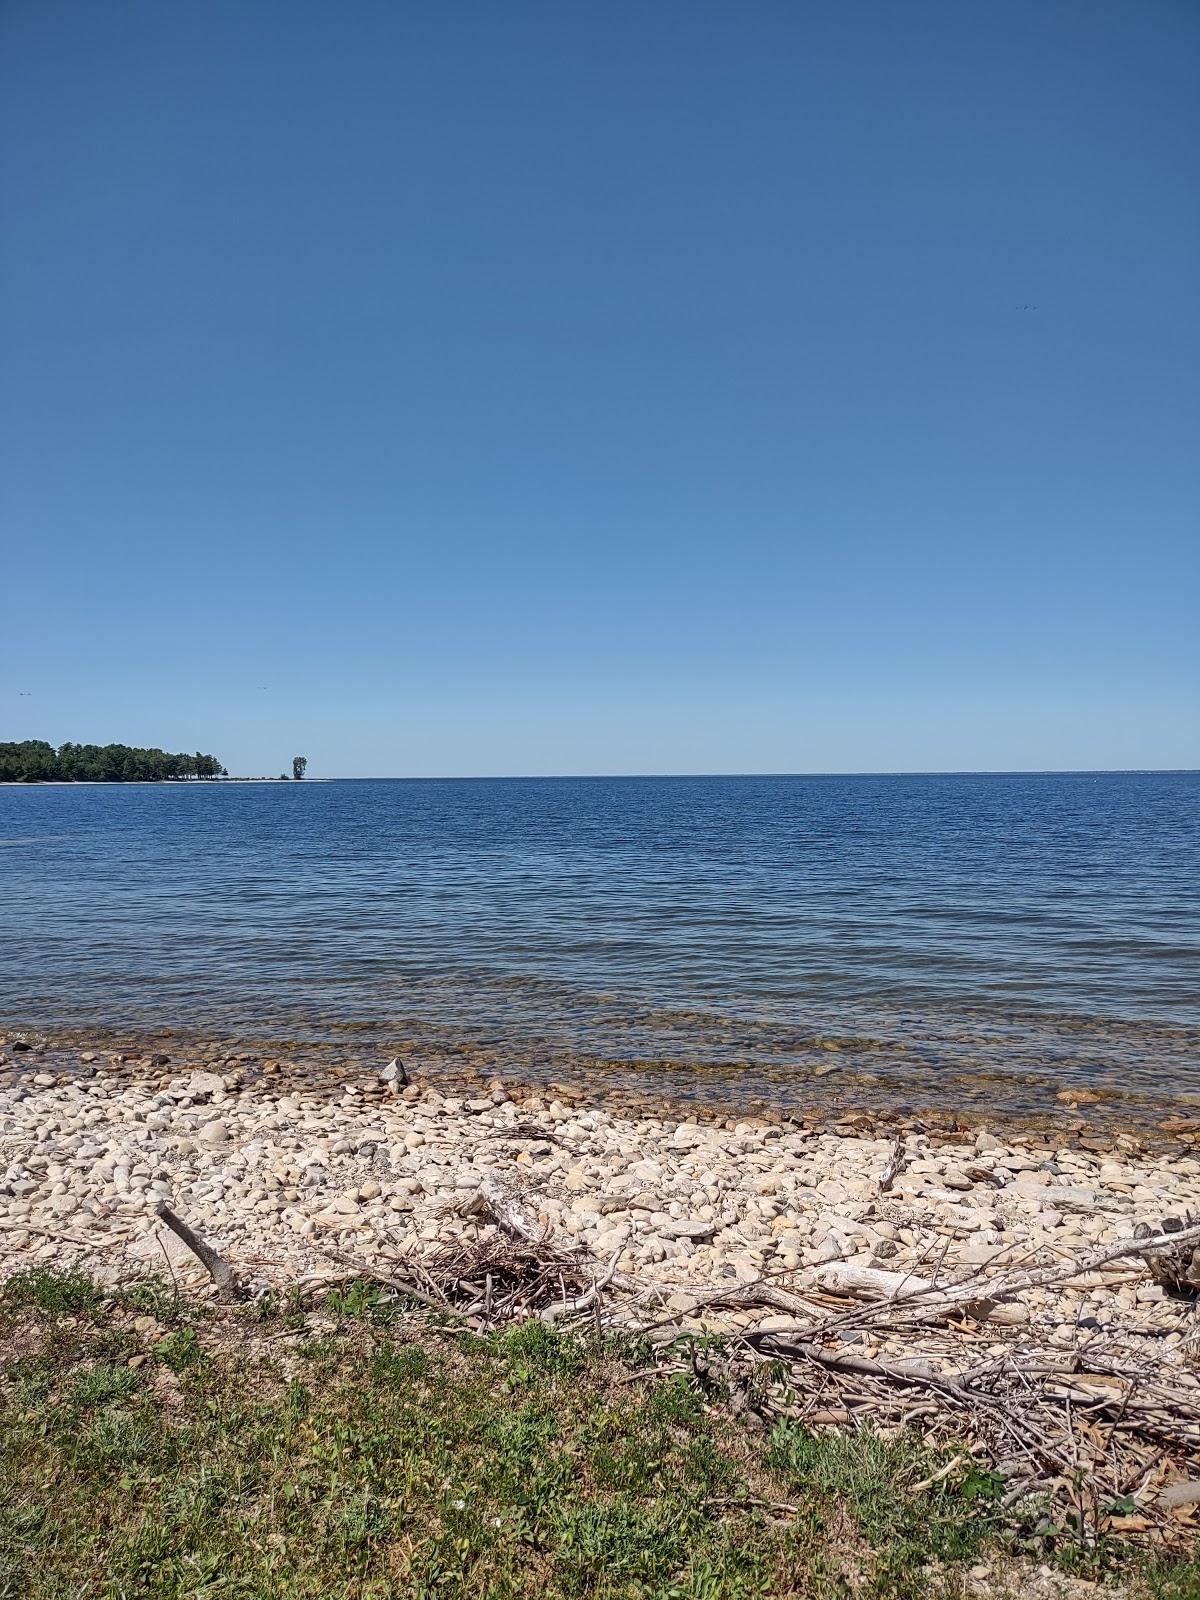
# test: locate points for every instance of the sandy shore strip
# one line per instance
(286, 1179)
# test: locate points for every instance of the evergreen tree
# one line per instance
(35, 761)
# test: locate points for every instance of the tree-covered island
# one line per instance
(36, 761)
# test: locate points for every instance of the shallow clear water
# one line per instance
(1000, 936)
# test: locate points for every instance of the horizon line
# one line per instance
(267, 779)
(864, 772)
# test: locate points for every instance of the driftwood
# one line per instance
(1086, 1426)
(499, 1279)
(898, 1288)
(895, 1298)
(1177, 1269)
(1174, 1495)
(976, 1292)
(750, 1503)
(215, 1264)
(587, 1301)
(911, 1373)
(390, 1280)
(533, 1132)
(505, 1207)
(894, 1165)
(760, 1295)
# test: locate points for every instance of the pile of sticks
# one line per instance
(1101, 1436)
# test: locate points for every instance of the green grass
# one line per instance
(57, 1292)
(240, 1460)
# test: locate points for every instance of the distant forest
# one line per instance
(35, 761)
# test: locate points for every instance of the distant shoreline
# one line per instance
(141, 783)
(604, 777)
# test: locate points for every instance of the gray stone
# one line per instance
(687, 1136)
(200, 1085)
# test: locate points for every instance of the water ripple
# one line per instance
(1035, 928)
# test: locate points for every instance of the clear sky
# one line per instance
(613, 387)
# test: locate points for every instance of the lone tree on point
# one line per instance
(299, 764)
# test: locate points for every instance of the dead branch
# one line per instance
(749, 1503)
(403, 1286)
(218, 1269)
(937, 1477)
(534, 1132)
(894, 1165)
(978, 1296)
(1104, 1414)
(900, 1288)
(585, 1301)
(504, 1206)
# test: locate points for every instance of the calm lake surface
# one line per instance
(995, 937)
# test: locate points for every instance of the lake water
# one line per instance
(996, 937)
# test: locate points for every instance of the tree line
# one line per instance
(35, 761)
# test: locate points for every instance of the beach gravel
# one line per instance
(283, 1177)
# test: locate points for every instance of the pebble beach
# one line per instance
(289, 1179)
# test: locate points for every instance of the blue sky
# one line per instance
(535, 388)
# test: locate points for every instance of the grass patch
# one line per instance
(248, 1460)
(152, 1298)
(59, 1293)
(181, 1350)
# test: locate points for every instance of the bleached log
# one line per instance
(907, 1292)
(905, 1298)
(507, 1210)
